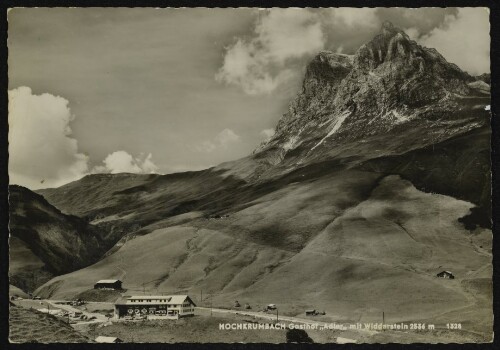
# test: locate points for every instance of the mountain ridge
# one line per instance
(391, 82)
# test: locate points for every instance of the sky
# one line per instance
(110, 90)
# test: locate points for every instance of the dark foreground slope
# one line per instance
(30, 326)
(44, 242)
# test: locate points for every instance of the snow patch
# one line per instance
(487, 108)
(292, 141)
(399, 117)
(336, 126)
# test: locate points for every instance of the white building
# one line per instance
(107, 340)
(156, 306)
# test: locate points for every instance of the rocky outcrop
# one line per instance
(391, 85)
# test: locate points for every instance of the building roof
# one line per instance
(108, 281)
(121, 301)
(448, 272)
(169, 299)
(102, 339)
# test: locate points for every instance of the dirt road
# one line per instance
(98, 317)
(274, 316)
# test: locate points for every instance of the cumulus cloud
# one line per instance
(267, 134)
(42, 151)
(463, 39)
(282, 41)
(260, 63)
(123, 162)
(354, 17)
(226, 137)
(206, 146)
(222, 140)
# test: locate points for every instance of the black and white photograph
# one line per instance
(250, 175)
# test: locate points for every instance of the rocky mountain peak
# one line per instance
(390, 85)
(389, 29)
(390, 44)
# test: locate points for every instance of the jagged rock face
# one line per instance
(391, 84)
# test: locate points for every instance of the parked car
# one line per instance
(271, 307)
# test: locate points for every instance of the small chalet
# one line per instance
(108, 340)
(108, 284)
(445, 274)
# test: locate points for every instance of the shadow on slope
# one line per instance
(44, 242)
(459, 167)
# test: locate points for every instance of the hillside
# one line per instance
(44, 242)
(396, 239)
(29, 326)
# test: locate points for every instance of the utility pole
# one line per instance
(383, 321)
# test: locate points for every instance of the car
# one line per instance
(37, 298)
(271, 307)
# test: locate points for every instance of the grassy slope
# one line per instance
(28, 326)
(14, 291)
(368, 254)
(381, 256)
(26, 270)
(98, 189)
(197, 329)
(267, 230)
